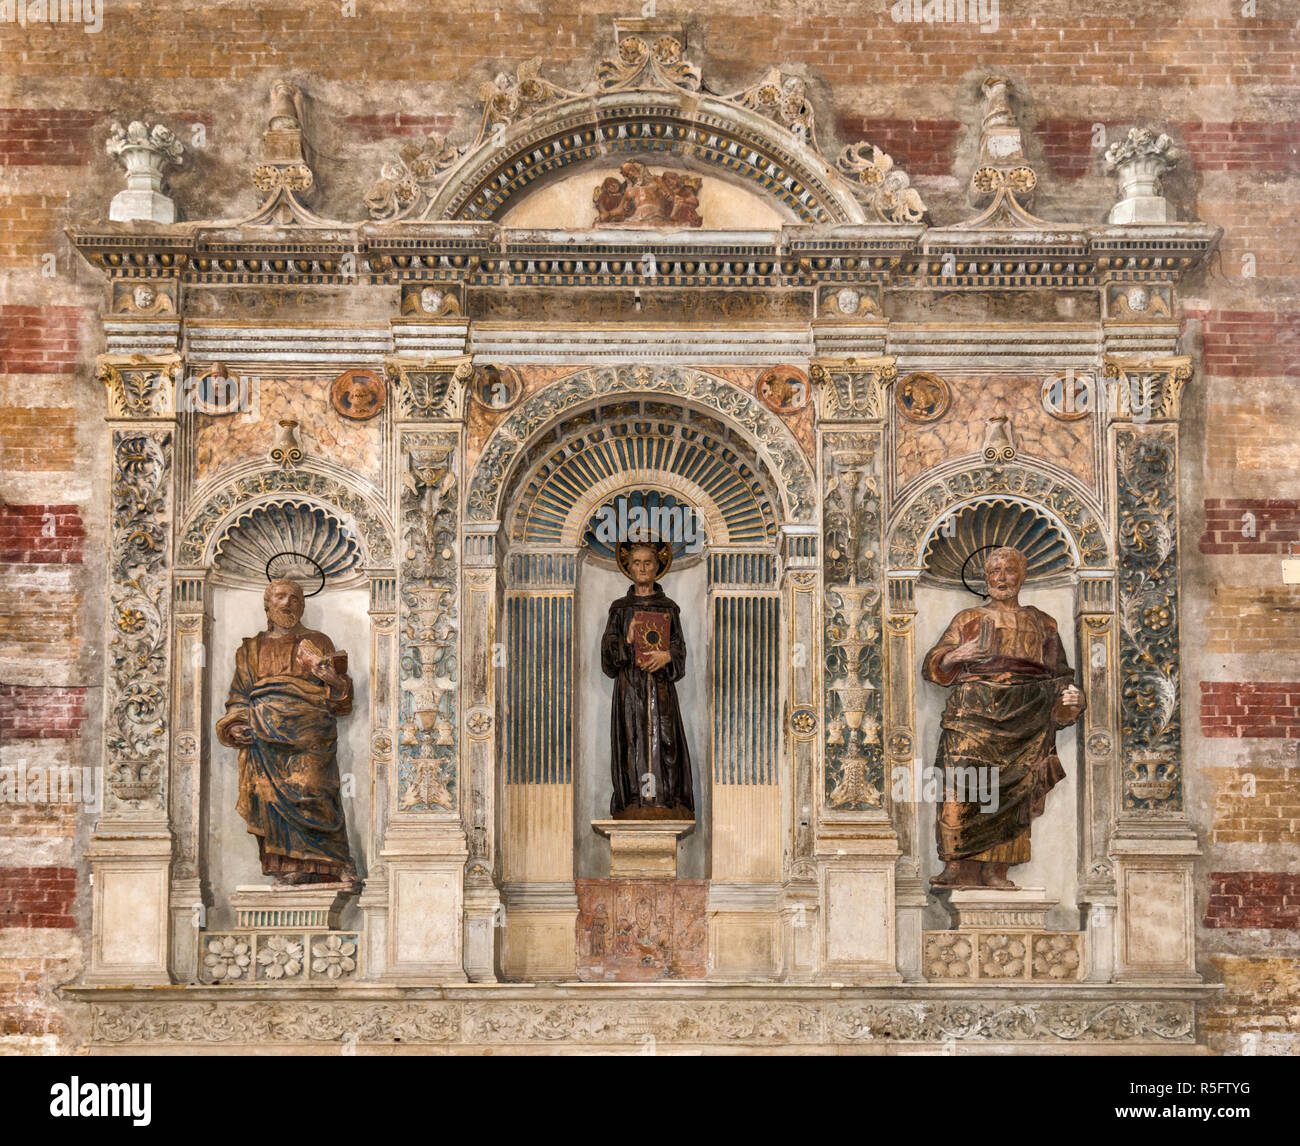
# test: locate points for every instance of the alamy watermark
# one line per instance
(981, 12)
(961, 785)
(672, 524)
(88, 13)
(56, 784)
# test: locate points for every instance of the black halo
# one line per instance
(974, 554)
(320, 573)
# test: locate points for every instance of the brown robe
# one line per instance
(289, 776)
(1002, 713)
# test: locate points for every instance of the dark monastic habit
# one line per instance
(651, 763)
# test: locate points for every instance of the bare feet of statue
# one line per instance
(995, 875)
(957, 873)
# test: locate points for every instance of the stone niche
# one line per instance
(428, 405)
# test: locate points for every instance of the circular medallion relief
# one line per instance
(922, 397)
(783, 389)
(358, 394)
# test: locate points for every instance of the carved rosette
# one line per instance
(139, 596)
(1150, 720)
(852, 523)
(140, 385)
(429, 625)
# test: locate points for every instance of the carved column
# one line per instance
(902, 763)
(1154, 847)
(745, 893)
(425, 842)
(190, 897)
(537, 811)
(856, 843)
(384, 665)
(131, 850)
(484, 655)
(1098, 736)
(801, 682)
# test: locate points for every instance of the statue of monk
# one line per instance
(1012, 689)
(281, 713)
(643, 650)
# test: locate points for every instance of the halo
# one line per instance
(288, 566)
(969, 559)
(663, 551)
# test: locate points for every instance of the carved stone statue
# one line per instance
(289, 687)
(643, 199)
(1012, 689)
(643, 650)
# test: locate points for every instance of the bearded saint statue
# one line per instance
(289, 687)
(1012, 688)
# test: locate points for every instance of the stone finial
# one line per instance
(1002, 164)
(1140, 159)
(144, 153)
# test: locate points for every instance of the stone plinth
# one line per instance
(312, 905)
(976, 908)
(643, 849)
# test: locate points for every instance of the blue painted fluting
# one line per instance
(746, 645)
(539, 724)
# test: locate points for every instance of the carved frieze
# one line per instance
(852, 517)
(429, 625)
(136, 701)
(637, 1023)
(1150, 720)
(140, 385)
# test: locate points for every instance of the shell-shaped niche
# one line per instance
(308, 531)
(965, 536)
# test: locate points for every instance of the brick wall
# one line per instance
(1269, 899)
(1250, 525)
(38, 339)
(1221, 85)
(41, 534)
(1246, 708)
(1255, 805)
(37, 896)
(1262, 620)
(41, 713)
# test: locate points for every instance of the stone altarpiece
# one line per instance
(840, 392)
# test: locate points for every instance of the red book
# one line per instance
(650, 633)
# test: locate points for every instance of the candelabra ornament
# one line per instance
(856, 728)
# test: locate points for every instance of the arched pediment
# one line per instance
(647, 103)
(775, 448)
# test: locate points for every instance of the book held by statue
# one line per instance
(650, 633)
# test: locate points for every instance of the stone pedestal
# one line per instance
(976, 908)
(643, 849)
(315, 906)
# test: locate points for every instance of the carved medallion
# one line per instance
(922, 397)
(496, 387)
(358, 394)
(783, 389)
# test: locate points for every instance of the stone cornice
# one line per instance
(891, 256)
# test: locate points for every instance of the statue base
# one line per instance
(976, 908)
(312, 905)
(643, 849)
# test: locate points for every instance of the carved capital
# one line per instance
(854, 389)
(140, 386)
(430, 390)
(1146, 389)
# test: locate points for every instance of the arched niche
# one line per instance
(619, 433)
(332, 538)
